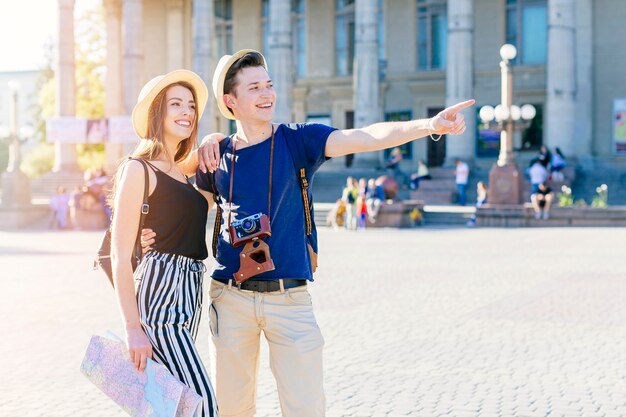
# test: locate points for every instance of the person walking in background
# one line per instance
(542, 201)
(461, 177)
(422, 174)
(393, 167)
(544, 156)
(162, 313)
(361, 206)
(98, 186)
(60, 205)
(538, 174)
(349, 196)
(481, 200)
(557, 164)
(373, 199)
(337, 215)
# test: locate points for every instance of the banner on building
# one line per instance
(619, 126)
(97, 130)
(121, 130)
(66, 130)
(115, 129)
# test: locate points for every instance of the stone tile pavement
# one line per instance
(423, 322)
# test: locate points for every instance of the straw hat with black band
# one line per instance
(156, 85)
(219, 77)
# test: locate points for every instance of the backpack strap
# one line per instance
(298, 155)
(145, 209)
(297, 149)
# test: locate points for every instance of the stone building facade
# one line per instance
(354, 62)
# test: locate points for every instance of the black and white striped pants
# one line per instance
(169, 296)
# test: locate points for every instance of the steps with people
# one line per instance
(44, 187)
(440, 189)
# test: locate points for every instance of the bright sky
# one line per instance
(25, 27)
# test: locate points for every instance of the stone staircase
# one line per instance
(328, 185)
(587, 181)
(45, 186)
(441, 189)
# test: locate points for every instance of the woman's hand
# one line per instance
(139, 347)
(209, 152)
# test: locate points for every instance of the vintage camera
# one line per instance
(249, 228)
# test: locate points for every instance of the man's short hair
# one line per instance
(251, 59)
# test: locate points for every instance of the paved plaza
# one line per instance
(423, 322)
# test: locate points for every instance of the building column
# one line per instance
(561, 94)
(366, 75)
(460, 75)
(175, 36)
(65, 153)
(584, 80)
(203, 59)
(113, 105)
(280, 58)
(132, 66)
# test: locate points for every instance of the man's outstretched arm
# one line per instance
(389, 134)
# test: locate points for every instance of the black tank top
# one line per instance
(178, 214)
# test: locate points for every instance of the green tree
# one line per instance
(90, 54)
(90, 73)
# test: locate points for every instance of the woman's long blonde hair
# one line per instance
(151, 147)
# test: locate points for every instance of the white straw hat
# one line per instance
(219, 77)
(156, 85)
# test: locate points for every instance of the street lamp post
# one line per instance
(505, 180)
(15, 184)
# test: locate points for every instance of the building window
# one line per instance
(381, 30)
(432, 33)
(265, 22)
(223, 10)
(527, 29)
(407, 148)
(298, 33)
(344, 37)
(298, 10)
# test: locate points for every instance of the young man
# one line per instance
(255, 160)
(538, 174)
(462, 176)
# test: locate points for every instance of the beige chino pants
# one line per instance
(295, 346)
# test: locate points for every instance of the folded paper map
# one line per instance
(154, 392)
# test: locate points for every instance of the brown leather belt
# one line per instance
(264, 285)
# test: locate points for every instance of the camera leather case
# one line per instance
(259, 228)
(254, 259)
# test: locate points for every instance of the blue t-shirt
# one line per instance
(288, 243)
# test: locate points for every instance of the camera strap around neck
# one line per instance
(232, 176)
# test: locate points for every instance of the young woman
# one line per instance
(161, 315)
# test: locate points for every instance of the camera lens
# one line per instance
(248, 225)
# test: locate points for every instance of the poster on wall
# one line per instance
(121, 130)
(97, 130)
(619, 126)
(66, 130)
